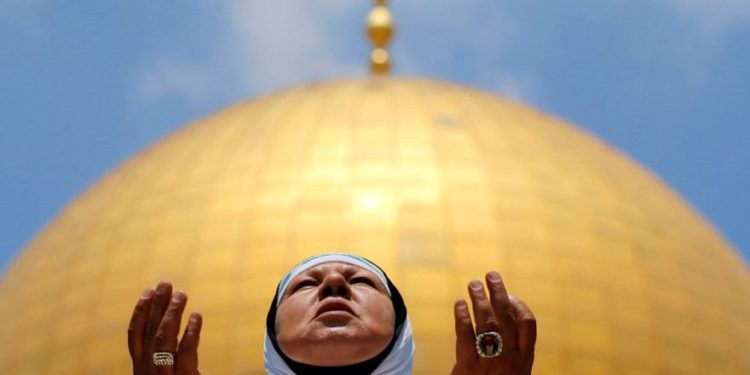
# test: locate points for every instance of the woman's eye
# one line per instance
(303, 284)
(362, 280)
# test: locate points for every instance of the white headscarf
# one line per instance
(399, 359)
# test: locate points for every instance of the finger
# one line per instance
(161, 301)
(138, 325)
(484, 317)
(465, 349)
(166, 336)
(187, 352)
(502, 307)
(526, 322)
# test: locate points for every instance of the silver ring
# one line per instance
(489, 344)
(163, 359)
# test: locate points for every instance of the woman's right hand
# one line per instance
(503, 315)
(154, 327)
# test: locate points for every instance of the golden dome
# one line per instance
(435, 182)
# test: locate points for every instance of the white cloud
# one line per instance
(24, 3)
(523, 89)
(267, 45)
(439, 34)
(714, 15)
(169, 77)
(469, 41)
(285, 42)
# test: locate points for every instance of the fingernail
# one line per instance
(494, 276)
(476, 285)
(147, 293)
(461, 304)
(194, 317)
(178, 297)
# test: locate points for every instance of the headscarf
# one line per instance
(395, 359)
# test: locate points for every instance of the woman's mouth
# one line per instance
(331, 307)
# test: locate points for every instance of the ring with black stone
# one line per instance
(489, 344)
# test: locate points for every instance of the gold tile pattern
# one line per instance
(437, 183)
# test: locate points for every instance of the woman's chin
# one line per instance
(337, 346)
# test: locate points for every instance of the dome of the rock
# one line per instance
(435, 182)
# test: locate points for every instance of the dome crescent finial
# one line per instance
(380, 31)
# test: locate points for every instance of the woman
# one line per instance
(340, 314)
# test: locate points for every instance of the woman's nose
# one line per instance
(335, 285)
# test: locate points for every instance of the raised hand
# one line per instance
(154, 327)
(502, 313)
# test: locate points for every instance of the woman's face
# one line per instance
(334, 314)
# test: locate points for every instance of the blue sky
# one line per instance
(84, 85)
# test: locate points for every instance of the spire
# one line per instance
(380, 31)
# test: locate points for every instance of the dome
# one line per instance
(435, 182)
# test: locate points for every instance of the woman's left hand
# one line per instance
(502, 313)
(154, 327)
